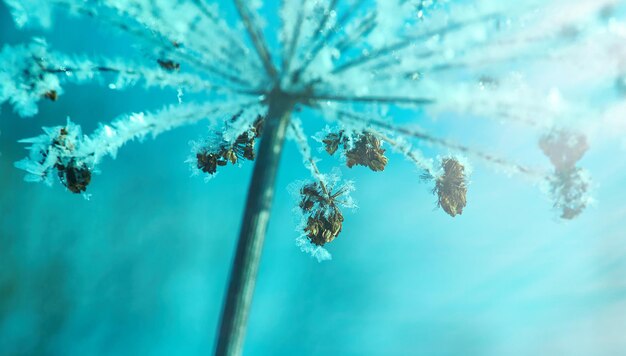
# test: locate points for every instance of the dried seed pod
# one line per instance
(230, 156)
(51, 95)
(207, 162)
(451, 187)
(564, 148)
(75, 176)
(367, 151)
(257, 126)
(324, 220)
(324, 228)
(311, 195)
(168, 64)
(331, 142)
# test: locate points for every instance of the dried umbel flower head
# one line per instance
(320, 206)
(208, 159)
(322, 228)
(564, 148)
(366, 150)
(570, 192)
(451, 187)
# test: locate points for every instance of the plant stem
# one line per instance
(256, 217)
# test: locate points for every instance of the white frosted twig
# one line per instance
(256, 36)
(370, 99)
(416, 134)
(66, 143)
(297, 133)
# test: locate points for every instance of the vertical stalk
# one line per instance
(256, 217)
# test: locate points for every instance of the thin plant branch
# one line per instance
(370, 99)
(295, 37)
(440, 142)
(391, 49)
(256, 37)
(327, 38)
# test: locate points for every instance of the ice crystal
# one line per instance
(351, 61)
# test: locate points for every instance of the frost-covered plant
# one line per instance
(356, 63)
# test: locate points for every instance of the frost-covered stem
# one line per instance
(233, 41)
(404, 150)
(256, 37)
(319, 41)
(406, 43)
(255, 220)
(371, 99)
(305, 150)
(367, 25)
(167, 46)
(440, 142)
(295, 37)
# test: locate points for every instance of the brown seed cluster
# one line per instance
(241, 149)
(169, 65)
(366, 151)
(51, 95)
(568, 185)
(73, 174)
(451, 187)
(332, 141)
(324, 220)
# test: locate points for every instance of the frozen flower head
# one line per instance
(364, 149)
(451, 187)
(57, 152)
(219, 152)
(76, 176)
(367, 152)
(320, 206)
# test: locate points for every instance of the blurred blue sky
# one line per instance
(141, 267)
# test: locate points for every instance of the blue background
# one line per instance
(141, 267)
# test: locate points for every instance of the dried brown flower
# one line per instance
(324, 220)
(242, 148)
(72, 173)
(51, 95)
(367, 150)
(451, 187)
(75, 176)
(322, 228)
(332, 141)
(168, 64)
(207, 162)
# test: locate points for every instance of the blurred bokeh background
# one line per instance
(141, 268)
